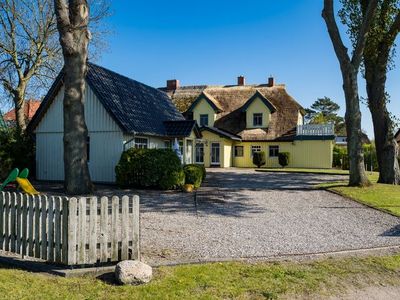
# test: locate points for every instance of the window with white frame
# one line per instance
(257, 119)
(167, 145)
(203, 120)
(200, 153)
(273, 151)
(255, 149)
(238, 151)
(141, 143)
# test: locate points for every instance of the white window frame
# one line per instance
(204, 115)
(234, 150)
(139, 143)
(259, 117)
(275, 147)
(195, 154)
(253, 149)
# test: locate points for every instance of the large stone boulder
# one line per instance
(133, 272)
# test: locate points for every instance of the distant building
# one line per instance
(341, 140)
(31, 106)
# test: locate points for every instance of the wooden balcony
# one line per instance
(315, 130)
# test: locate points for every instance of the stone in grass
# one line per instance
(133, 272)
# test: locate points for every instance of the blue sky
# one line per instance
(212, 42)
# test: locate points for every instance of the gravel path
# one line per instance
(244, 214)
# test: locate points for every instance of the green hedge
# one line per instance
(283, 158)
(16, 151)
(194, 174)
(150, 168)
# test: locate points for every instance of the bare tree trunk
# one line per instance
(350, 68)
(74, 38)
(358, 176)
(386, 145)
(19, 104)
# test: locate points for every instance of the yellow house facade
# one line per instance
(236, 121)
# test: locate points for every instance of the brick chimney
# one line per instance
(271, 81)
(172, 84)
(241, 80)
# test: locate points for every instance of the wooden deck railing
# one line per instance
(316, 130)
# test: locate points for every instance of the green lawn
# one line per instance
(214, 281)
(298, 170)
(384, 197)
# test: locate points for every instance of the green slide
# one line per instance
(24, 173)
(11, 178)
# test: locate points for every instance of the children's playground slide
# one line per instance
(22, 180)
(26, 186)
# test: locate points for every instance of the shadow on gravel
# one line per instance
(394, 231)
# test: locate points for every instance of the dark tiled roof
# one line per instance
(181, 128)
(221, 132)
(135, 107)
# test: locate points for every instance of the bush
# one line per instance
(259, 159)
(16, 151)
(150, 168)
(194, 174)
(283, 158)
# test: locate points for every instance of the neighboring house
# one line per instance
(31, 106)
(238, 120)
(120, 113)
(397, 137)
(341, 140)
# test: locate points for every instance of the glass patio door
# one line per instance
(215, 154)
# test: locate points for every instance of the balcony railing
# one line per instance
(315, 130)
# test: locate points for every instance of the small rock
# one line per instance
(133, 272)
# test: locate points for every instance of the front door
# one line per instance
(215, 154)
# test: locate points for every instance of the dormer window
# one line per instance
(203, 120)
(257, 120)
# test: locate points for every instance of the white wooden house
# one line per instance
(120, 113)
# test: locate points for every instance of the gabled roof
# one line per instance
(135, 107)
(181, 128)
(221, 133)
(210, 100)
(233, 98)
(258, 95)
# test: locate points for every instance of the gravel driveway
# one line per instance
(245, 214)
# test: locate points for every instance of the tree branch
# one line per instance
(333, 30)
(362, 36)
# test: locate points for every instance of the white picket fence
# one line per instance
(316, 130)
(70, 231)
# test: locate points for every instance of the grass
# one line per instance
(384, 197)
(214, 281)
(307, 171)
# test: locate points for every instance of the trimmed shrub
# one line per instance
(283, 158)
(259, 159)
(150, 168)
(194, 174)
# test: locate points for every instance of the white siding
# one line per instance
(106, 141)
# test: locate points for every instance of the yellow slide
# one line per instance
(26, 186)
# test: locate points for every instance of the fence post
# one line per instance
(72, 228)
(2, 200)
(136, 228)
(65, 231)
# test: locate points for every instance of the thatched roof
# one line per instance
(232, 99)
